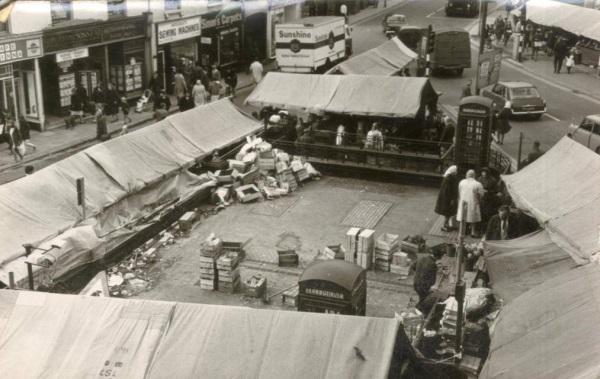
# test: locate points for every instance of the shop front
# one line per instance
(177, 48)
(281, 12)
(221, 38)
(20, 83)
(92, 53)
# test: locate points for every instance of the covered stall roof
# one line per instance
(342, 273)
(550, 331)
(386, 59)
(562, 191)
(38, 207)
(516, 266)
(573, 19)
(361, 95)
(79, 336)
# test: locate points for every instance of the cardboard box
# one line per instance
(186, 221)
(400, 259)
(351, 243)
(248, 193)
(366, 241)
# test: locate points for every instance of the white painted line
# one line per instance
(552, 117)
(434, 12)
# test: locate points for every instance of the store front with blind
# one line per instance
(20, 84)
(177, 49)
(92, 53)
(221, 38)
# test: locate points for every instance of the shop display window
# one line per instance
(66, 83)
(126, 70)
(229, 46)
(183, 58)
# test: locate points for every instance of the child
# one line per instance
(125, 109)
(124, 130)
(570, 62)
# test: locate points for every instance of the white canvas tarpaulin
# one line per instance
(361, 95)
(571, 18)
(41, 206)
(81, 337)
(562, 191)
(387, 59)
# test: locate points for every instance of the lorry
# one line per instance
(312, 44)
(449, 49)
(587, 132)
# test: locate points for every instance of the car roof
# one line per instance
(516, 84)
(396, 17)
(594, 117)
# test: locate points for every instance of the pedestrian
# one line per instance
(214, 89)
(466, 89)
(374, 138)
(340, 136)
(83, 97)
(154, 85)
(199, 93)
(406, 72)
(447, 135)
(205, 77)
(26, 132)
(101, 128)
(425, 276)
(179, 86)
(16, 142)
(125, 109)
(560, 53)
(503, 122)
(186, 103)
(161, 113)
(502, 226)
(76, 106)
(535, 153)
(256, 69)
(215, 74)
(98, 96)
(162, 99)
(446, 204)
(538, 43)
(196, 74)
(488, 201)
(231, 80)
(507, 33)
(112, 102)
(570, 62)
(470, 192)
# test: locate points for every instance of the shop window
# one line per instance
(172, 5)
(116, 8)
(3, 27)
(60, 10)
(229, 46)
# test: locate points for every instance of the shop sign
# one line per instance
(18, 50)
(74, 37)
(178, 30)
(224, 20)
(275, 4)
(70, 55)
(324, 293)
(206, 40)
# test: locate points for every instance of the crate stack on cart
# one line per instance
(385, 247)
(211, 250)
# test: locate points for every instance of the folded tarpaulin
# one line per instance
(550, 331)
(359, 95)
(516, 266)
(387, 59)
(561, 190)
(574, 19)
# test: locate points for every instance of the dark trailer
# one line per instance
(333, 286)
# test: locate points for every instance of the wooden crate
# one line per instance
(248, 193)
(256, 286)
(287, 258)
(351, 243)
(470, 364)
(228, 261)
(229, 287)
(186, 221)
(212, 251)
(400, 270)
(226, 176)
(388, 242)
(290, 297)
(366, 241)
(208, 284)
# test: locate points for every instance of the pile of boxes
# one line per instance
(228, 273)
(360, 247)
(385, 247)
(218, 268)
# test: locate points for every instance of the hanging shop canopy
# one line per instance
(386, 59)
(562, 191)
(570, 18)
(41, 206)
(518, 265)
(358, 95)
(550, 331)
(79, 337)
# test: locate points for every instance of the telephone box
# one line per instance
(473, 133)
(333, 286)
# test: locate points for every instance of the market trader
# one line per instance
(426, 275)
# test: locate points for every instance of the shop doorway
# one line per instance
(160, 67)
(8, 96)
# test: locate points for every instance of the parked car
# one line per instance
(393, 22)
(524, 97)
(462, 7)
(587, 132)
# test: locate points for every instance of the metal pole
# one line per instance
(11, 280)
(28, 249)
(14, 95)
(520, 149)
(459, 295)
(461, 241)
(482, 36)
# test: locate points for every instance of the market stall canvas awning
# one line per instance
(518, 265)
(386, 59)
(358, 95)
(549, 332)
(562, 191)
(574, 19)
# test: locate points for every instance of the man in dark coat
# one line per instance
(426, 274)
(503, 226)
(560, 53)
(466, 89)
(162, 99)
(446, 204)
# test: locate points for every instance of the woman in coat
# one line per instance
(179, 87)
(447, 197)
(503, 122)
(112, 102)
(199, 93)
(488, 201)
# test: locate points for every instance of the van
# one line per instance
(462, 8)
(451, 50)
(587, 132)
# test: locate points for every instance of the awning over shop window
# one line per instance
(386, 59)
(570, 18)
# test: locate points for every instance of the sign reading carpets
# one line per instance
(178, 30)
(18, 50)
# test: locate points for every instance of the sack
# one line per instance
(22, 149)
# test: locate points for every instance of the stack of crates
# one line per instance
(228, 272)
(287, 176)
(351, 244)
(385, 247)
(364, 248)
(211, 250)
(400, 263)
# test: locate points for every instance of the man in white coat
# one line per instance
(256, 69)
(471, 192)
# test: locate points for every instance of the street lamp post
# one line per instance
(483, 10)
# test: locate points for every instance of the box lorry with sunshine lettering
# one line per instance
(312, 44)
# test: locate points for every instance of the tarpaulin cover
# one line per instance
(364, 95)
(550, 331)
(516, 266)
(571, 18)
(39, 207)
(386, 59)
(46, 335)
(562, 191)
